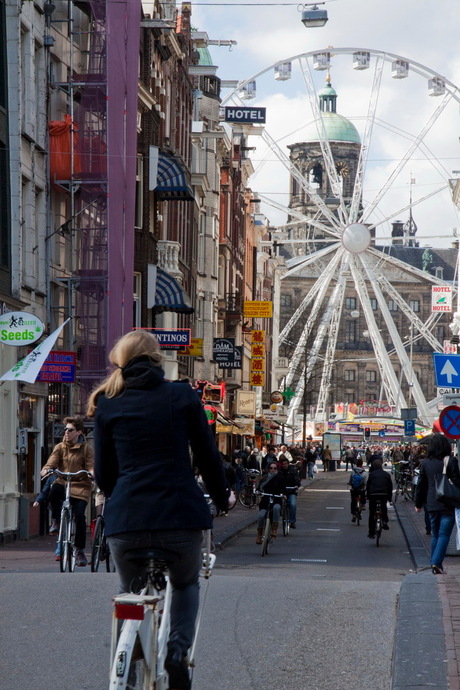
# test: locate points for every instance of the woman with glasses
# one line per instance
(72, 455)
(272, 483)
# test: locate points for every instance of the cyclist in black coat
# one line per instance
(291, 477)
(379, 487)
(272, 483)
(144, 426)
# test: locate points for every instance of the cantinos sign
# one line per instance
(19, 328)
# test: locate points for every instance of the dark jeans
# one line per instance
(57, 496)
(185, 549)
(442, 524)
(372, 506)
(353, 494)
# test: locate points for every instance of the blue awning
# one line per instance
(172, 181)
(169, 295)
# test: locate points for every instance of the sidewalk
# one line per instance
(428, 632)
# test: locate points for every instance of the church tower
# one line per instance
(306, 156)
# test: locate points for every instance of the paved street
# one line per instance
(306, 616)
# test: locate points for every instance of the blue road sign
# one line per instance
(409, 427)
(382, 433)
(449, 421)
(447, 370)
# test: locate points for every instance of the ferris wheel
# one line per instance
(337, 169)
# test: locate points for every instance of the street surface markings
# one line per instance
(308, 560)
(335, 508)
(327, 529)
(331, 491)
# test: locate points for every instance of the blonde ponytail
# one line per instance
(136, 343)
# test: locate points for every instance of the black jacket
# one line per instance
(142, 459)
(275, 485)
(379, 482)
(291, 478)
(425, 489)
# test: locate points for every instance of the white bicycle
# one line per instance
(140, 624)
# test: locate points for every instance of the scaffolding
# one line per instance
(101, 180)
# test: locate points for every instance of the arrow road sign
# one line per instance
(447, 370)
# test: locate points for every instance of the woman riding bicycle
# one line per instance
(143, 428)
(273, 483)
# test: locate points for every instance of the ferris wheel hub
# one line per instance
(356, 238)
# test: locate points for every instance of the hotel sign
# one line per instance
(245, 115)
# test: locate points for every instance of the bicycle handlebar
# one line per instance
(67, 475)
(261, 493)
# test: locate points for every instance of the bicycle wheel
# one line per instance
(378, 530)
(246, 497)
(266, 534)
(286, 523)
(67, 561)
(97, 553)
(358, 514)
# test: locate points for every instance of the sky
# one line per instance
(423, 33)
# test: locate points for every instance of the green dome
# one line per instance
(205, 57)
(327, 91)
(337, 128)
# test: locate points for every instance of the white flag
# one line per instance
(27, 369)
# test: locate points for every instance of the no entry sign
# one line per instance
(449, 421)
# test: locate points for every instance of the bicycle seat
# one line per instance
(143, 556)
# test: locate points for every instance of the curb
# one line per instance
(415, 543)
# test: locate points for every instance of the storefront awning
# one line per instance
(165, 293)
(172, 181)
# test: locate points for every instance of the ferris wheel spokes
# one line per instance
(311, 357)
(414, 386)
(407, 156)
(388, 376)
(303, 184)
(412, 317)
(328, 158)
(365, 141)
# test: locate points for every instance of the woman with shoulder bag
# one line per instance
(442, 515)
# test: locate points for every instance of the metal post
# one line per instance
(304, 420)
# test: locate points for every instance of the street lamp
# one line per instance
(312, 16)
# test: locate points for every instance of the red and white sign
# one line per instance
(441, 298)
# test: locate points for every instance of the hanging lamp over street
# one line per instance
(312, 16)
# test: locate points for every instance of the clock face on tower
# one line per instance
(342, 168)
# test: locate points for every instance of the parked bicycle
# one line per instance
(248, 494)
(66, 540)
(405, 481)
(100, 551)
(267, 527)
(140, 624)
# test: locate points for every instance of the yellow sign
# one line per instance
(258, 337)
(258, 310)
(256, 378)
(258, 364)
(257, 349)
(195, 349)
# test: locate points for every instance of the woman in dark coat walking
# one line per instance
(142, 431)
(442, 517)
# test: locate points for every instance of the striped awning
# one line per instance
(172, 181)
(168, 294)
